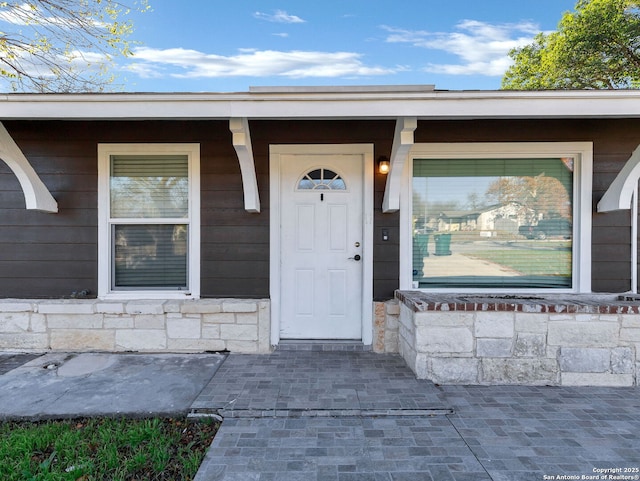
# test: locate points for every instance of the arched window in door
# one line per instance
(321, 179)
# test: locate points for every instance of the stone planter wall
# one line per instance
(569, 341)
(236, 325)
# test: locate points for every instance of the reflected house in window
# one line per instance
(487, 221)
(504, 197)
(457, 220)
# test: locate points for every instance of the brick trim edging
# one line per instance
(419, 301)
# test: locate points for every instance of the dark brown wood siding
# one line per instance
(50, 255)
(378, 133)
(55, 255)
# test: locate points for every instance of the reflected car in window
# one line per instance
(547, 228)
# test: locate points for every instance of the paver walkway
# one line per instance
(297, 383)
(310, 416)
(527, 433)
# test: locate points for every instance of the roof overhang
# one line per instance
(404, 104)
(327, 103)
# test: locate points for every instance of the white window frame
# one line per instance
(105, 151)
(582, 152)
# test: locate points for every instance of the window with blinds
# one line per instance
(149, 221)
(492, 223)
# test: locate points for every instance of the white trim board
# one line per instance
(344, 103)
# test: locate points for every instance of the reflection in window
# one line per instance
(153, 256)
(146, 186)
(321, 179)
(492, 223)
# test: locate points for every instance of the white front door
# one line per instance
(321, 246)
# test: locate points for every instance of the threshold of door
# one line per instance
(321, 345)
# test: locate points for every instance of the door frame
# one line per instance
(276, 153)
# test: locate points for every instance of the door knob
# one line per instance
(356, 257)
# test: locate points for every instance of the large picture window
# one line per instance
(506, 220)
(149, 220)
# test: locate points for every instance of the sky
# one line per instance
(228, 46)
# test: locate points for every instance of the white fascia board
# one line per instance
(36, 194)
(242, 143)
(326, 105)
(402, 143)
(619, 194)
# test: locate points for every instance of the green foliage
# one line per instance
(62, 45)
(103, 449)
(595, 47)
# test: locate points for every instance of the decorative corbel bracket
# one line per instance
(402, 143)
(36, 194)
(242, 143)
(618, 195)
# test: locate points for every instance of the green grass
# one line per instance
(103, 449)
(537, 262)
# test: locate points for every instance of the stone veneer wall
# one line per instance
(386, 316)
(569, 341)
(236, 325)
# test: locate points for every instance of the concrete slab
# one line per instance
(85, 365)
(9, 361)
(64, 385)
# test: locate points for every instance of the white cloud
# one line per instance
(482, 47)
(184, 63)
(76, 62)
(282, 34)
(88, 58)
(146, 71)
(18, 14)
(280, 16)
(27, 16)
